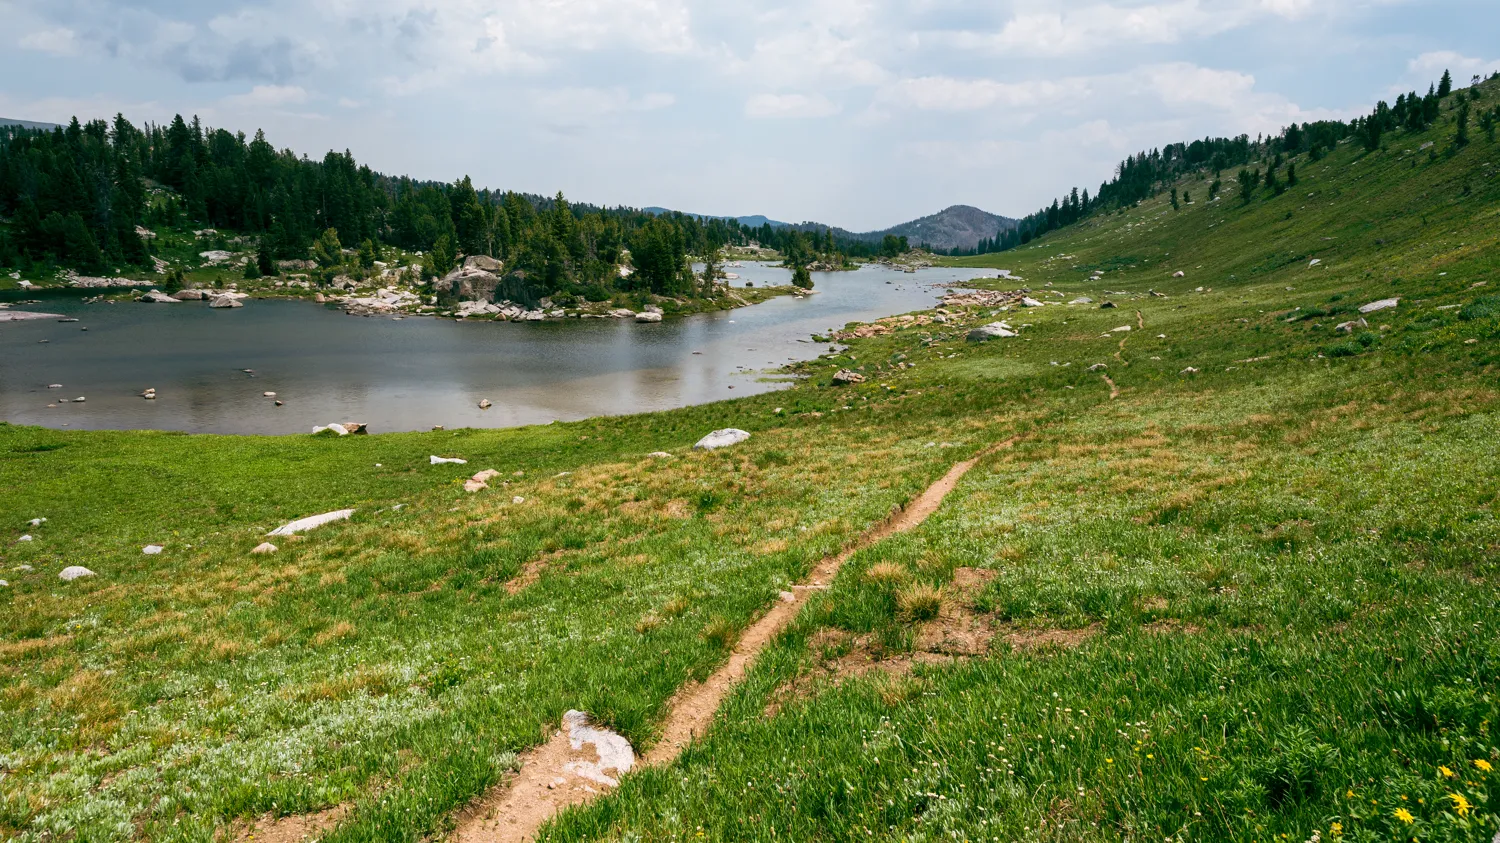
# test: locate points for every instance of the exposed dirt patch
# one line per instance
(1172, 626)
(1114, 391)
(295, 828)
(1050, 639)
(839, 656)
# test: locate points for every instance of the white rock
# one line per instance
(37, 522)
(226, 301)
(268, 395)
(1030, 302)
(264, 548)
(1190, 371)
(485, 404)
(721, 439)
(447, 461)
(74, 572)
(648, 317)
(1082, 300)
(1179, 274)
(518, 500)
(157, 297)
(614, 752)
(336, 428)
(152, 549)
(1314, 262)
(659, 455)
(24, 539)
(4, 584)
(994, 330)
(311, 523)
(1383, 304)
(54, 386)
(472, 485)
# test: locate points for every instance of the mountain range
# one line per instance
(26, 124)
(956, 227)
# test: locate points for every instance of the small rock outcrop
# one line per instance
(844, 377)
(157, 297)
(994, 330)
(1383, 304)
(264, 549)
(647, 316)
(226, 302)
(311, 523)
(74, 572)
(190, 295)
(721, 439)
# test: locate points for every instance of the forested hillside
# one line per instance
(87, 197)
(1149, 174)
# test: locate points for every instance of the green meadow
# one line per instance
(1252, 596)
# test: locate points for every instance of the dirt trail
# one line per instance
(548, 780)
(1114, 391)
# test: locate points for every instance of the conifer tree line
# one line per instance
(1147, 174)
(74, 197)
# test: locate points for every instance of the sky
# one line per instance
(856, 113)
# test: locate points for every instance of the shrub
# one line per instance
(919, 602)
(886, 573)
(1484, 308)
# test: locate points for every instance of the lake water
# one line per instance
(417, 372)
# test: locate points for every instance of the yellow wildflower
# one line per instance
(1336, 830)
(1460, 804)
(1405, 816)
(1447, 773)
(1483, 765)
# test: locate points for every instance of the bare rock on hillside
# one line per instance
(152, 550)
(157, 297)
(1348, 327)
(470, 283)
(446, 460)
(190, 295)
(1383, 304)
(994, 330)
(487, 475)
(471, 485)
(844, 377)
(311, 523)
(484, 263)
(264, 549)
(646, 316)
(74, 572)
(721, 439)
(223, 302)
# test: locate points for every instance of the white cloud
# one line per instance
(58, 41)
(773, 106)
(943, 93)
(268, 96)
(1428, 67)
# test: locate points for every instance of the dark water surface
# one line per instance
(417, 372)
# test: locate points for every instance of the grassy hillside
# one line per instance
(1252, 596)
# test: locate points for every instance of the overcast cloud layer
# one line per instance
(859, 113)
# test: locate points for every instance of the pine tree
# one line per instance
(1174, 199)
(801, 278)
(1291, 174)
(327, 251)
(1462, 138)
(1445, 85)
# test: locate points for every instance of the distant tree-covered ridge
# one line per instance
(1147, 174)
(82, 196)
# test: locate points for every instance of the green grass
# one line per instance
(1255, 602)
